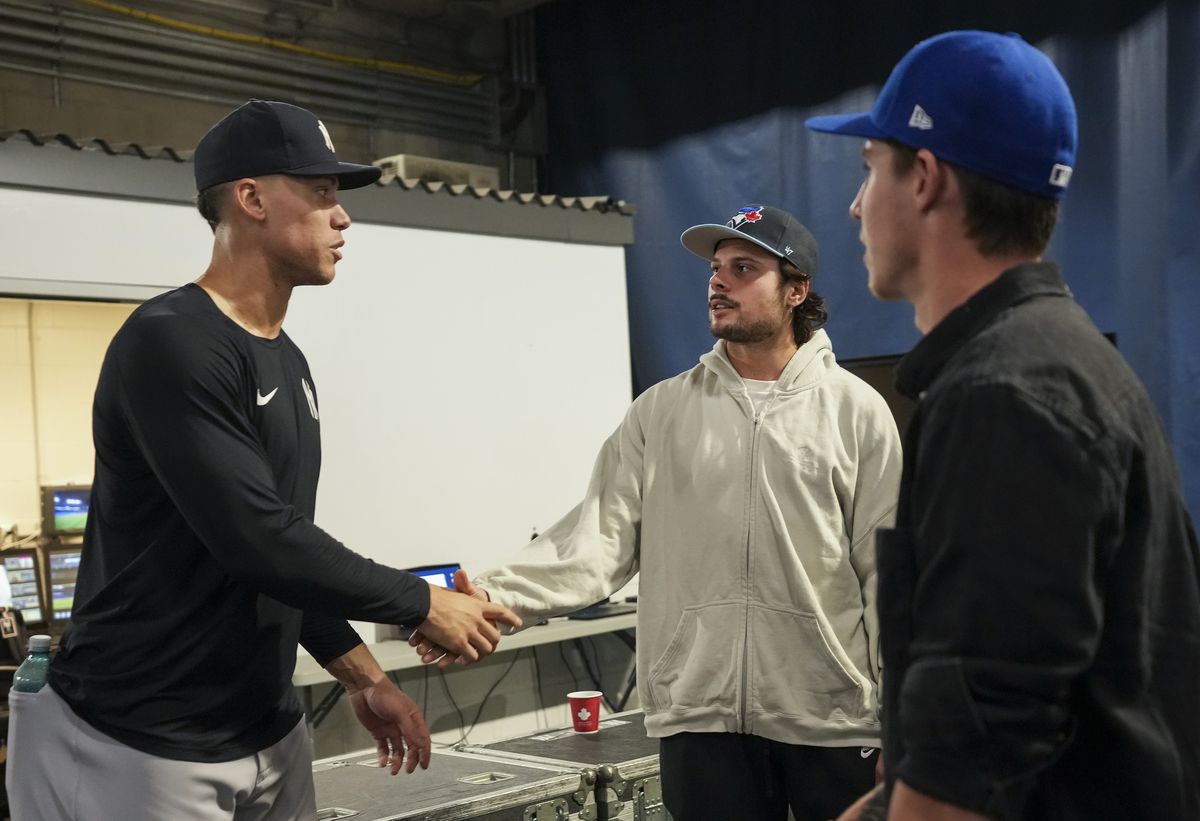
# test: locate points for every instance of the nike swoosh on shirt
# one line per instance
(262, 400)
(865, 752)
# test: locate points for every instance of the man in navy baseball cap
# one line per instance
(208, 456)
(1041, 580)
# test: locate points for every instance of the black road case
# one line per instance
(611, 775)
(620, 760)
(456, 786)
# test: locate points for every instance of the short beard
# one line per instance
(749, 333)
(746, 333)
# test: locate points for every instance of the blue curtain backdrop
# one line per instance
(691, 108)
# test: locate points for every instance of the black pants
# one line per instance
(736, 777)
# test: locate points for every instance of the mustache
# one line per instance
(716, 301)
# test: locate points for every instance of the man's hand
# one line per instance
(391, 717)
(910, 805)
(463, 584)
(395, 722)
(429, 650)
(462, 623)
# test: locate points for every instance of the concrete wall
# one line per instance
(46, 105)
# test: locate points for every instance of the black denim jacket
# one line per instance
(1040, 594)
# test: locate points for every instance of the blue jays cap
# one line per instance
(769, 228)
(988, 102)
(262, 137)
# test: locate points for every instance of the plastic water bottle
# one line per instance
(31, 675)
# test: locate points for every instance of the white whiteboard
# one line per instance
(466, 382)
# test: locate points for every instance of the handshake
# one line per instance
(461, 624)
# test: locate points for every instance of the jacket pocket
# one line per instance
(702, 661)
(800, 671)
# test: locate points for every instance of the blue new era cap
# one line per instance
(988, 102)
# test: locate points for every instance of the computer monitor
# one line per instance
(23, 572)
(62, 566)
(440, 574)
(65, 509)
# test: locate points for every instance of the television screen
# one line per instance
(65, 509)
(62, 566)
(22, 574)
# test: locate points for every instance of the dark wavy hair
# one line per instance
(809, 314)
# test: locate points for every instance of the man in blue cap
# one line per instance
(1039, 596)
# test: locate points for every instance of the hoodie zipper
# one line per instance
(757, 417)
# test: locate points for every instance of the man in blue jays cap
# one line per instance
(1039, 596)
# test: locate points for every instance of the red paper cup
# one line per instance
(585, 710)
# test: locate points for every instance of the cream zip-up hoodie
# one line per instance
(755, 538)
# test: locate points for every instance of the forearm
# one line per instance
(570, 566)
(909, 805)
(356, 669)
(876, 489)
(589, 553)
(326, 638)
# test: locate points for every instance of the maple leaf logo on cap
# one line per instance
(751, 213)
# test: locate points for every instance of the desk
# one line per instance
(398, 655)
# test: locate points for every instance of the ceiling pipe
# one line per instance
(92, 50)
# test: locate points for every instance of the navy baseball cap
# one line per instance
(769, 228)
(262, 137)
(988, 102)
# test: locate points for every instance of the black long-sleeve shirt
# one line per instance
(201, 567)
(1040, 596)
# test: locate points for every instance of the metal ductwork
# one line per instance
(128, 54)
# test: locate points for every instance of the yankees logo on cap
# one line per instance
(263, 137)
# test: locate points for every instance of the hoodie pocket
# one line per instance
(702, 662)
(799, 670)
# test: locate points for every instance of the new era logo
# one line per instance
(1060, 175)
(920, 119)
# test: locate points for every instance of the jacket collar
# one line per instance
(922, 364)
(804, 368)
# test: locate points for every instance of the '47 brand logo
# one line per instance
(751, 213)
